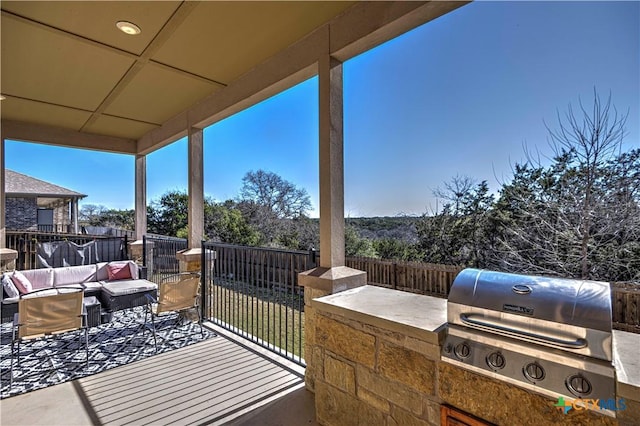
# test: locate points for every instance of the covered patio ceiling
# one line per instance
(71, 78)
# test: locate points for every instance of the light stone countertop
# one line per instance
(626, 358)
(425, 318)
(415, 315)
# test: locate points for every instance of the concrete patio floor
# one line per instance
(224, 380)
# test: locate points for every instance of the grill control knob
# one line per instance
(448, 348)
(462, 350)
(495, 360)
(578, 385)
(533, 372)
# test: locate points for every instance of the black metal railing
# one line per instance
(159, 256)
(57, 228)
(254, 293)
(40, 249)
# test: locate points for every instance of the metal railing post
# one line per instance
(312, 258)
(203, 281)
(144, 250)
(21, 253)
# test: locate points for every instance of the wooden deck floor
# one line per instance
(212, 382)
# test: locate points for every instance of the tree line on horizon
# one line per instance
(269, 211)
(578, 216)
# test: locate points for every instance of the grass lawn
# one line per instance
(271, 316)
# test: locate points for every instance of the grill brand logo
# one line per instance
(517, 309)
(565, 405)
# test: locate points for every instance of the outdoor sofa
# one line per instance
(117, 285)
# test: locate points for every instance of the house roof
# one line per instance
(19, 185)
(71, 78)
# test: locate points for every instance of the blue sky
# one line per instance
(458, 96)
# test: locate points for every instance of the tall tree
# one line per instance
(169, 215)
(567, 218)
(225, 223)
(457, 234)
(98, 215)
(593, 138)
(91, 213)
(278, 195)
(269, 203)
(355, 245)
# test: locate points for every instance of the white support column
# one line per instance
(74, 215)
(332, 275)
(196, 188)
(3, 240)
(141, 196)
(190, 259)
(136, 247)
(7, 256)
(331, 163)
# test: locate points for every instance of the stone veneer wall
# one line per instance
(366, 374)
(312, 352)
(61, 214)
(21, 213)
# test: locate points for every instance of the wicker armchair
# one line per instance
(49, 312)
(174, 296)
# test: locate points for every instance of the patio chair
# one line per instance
(174, 296)
(49, 312)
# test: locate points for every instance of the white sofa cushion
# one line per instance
(73, 275)
(88, 286)
(50, 292)
(39, 278)
(92, 285)
(122, 287)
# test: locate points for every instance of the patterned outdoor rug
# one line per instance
(51, 361)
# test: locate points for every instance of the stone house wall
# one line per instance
(61, 214)
(21, 213)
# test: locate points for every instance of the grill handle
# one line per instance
(524, 335)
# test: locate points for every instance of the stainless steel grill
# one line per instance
(549, 335)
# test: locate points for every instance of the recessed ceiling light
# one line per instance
(128, 27)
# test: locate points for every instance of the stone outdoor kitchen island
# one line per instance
(376, 361)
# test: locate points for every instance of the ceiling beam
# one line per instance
(360, 28)
(160, 39)
(51, 135)
(370, 25)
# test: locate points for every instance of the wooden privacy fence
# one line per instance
(280, 268)
(436, 280)
(625, 304)
(414, 277)
(274, 268)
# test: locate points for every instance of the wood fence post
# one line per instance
(395, 275)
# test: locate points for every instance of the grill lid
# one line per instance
(580, 303)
